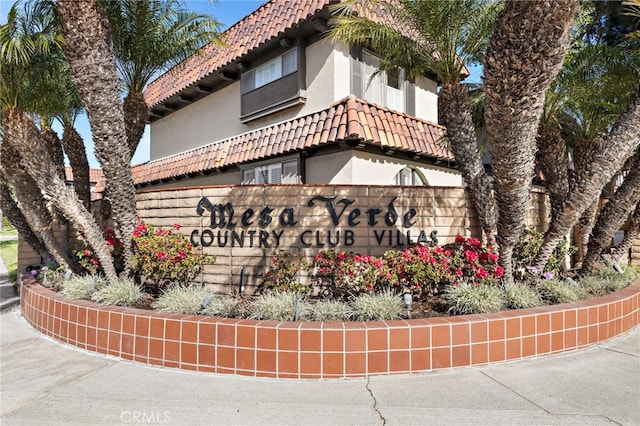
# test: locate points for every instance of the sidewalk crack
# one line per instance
(375, 402)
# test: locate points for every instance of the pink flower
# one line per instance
(471, 256)
(177, 226)
(498, 271)
(162, 255)
(482, 273)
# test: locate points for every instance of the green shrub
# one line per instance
(278, 306)
(329, 310)
(284, 273)
(377, 307)
(521, 296)
(594, 285)
(526, 249)
(123, 292)
(473, 299)
(182, 300)
(82, 286)
(556, 291)
(225, 307)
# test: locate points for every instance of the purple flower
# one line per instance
(34, 272)
(532, 270)
(548, 275)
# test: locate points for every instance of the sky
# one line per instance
(227, 11)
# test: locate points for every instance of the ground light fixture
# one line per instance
(408, 300)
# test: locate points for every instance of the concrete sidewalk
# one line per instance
(45, 382)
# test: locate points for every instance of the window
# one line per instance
(387, 88)
(273, 173)
(409, 177)
(270, 71)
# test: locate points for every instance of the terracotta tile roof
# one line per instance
(95, 175)
(267, 22)
(350, 119)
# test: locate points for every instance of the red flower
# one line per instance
(460, 239)
(471, 256)
(87, 253)
(498, 271)
(162, 255)
(176, 226)
(482, 273)
(340, 256)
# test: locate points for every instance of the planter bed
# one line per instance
(308, 350)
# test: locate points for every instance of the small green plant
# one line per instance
(595, 285)
(123, 292)
(521, 296)
(82, 287)
(284, 274)
(557, 291)
(279, 306)
(182, 300)
(329, 310)
(377, 307)
(467, 298)
(224, 306)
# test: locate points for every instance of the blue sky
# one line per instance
(227, 11)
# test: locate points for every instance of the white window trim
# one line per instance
(270, 165)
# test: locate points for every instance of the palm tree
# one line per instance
(89, 51)
(12, 212)
(629, 236)
(616, 147)
(613, 215)
(524, 55)
(598, 79)
(149, 37)
(25, 44)
(432, 37)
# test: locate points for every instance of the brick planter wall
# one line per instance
(306, 350)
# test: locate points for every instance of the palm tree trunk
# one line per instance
(583, 228)
(613, 216)
(21, 131)
(629, 236)
(89, 51)
(14, 215)
(552, 160)
(74, 147)
(454, 112)
(54, 146)
(524, 55)
(29, 196)
(136, 114)
(617, 146)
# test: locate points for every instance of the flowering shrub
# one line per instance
(90, 262)
(526, 250)
(425, 269)
(422, 269)
(284, 273)
(163, 257)
(340, 275)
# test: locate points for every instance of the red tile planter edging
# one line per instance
(307, 350)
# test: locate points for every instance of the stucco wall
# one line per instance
(217, 116)
(364, 168)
